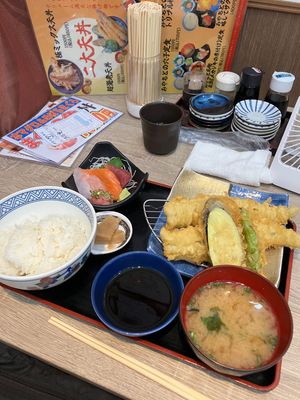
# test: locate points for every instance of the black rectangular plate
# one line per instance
(107, 149)
(74, 294)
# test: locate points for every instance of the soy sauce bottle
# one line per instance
(250, 84)
(278, 94)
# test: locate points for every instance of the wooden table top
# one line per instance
(24, 322)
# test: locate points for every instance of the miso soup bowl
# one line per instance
(264, 288)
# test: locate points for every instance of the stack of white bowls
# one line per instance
(256, 117)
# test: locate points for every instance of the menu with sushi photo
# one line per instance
(83, 43)
(56, 133)
(198, 35)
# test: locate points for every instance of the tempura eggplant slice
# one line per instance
(224, 241)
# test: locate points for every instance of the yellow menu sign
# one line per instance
(83, 43)
(198, 34)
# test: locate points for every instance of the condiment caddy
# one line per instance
(243, 91)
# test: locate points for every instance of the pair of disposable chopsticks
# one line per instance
(138, 366)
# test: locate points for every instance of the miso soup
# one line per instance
(232, 324)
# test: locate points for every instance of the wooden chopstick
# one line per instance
(138, 366)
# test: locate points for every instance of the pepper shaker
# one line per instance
(250, 84)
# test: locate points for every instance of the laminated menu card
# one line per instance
(56, 133)
(83, 43)
(10, 150)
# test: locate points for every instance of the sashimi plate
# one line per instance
(187, 184)
(101, 152)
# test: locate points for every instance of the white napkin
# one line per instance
(246, 167)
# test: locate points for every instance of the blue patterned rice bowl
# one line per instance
(42, 201)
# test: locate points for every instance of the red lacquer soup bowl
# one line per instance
(252, 282)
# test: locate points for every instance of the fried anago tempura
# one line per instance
(260, 225)
(110, 29)
(185, 244)
(266, 212)
(182, 212)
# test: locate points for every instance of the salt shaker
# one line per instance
(227, 83)
(194, 83)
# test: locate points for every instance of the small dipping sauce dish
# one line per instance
(137, 293)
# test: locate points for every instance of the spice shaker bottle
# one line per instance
(193, 84)
(278, 94)
(250, 84)
(227, 83)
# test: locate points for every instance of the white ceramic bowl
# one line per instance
(41, 202)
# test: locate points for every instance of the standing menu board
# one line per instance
(83, 43)
(198, 34)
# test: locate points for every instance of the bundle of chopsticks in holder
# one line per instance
(143, 60)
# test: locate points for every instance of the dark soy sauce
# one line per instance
(138, 299)
(280, 101)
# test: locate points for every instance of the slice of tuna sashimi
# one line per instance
(123, 176)
(91, 187)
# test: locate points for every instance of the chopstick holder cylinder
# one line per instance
(143, 59)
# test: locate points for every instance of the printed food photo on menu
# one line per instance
(196, 35)
(65, 76)
(202, 13)
(84, 44)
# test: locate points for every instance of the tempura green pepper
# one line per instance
(252, 251)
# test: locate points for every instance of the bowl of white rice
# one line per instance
(46, 236)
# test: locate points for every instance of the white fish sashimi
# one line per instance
(88, 185)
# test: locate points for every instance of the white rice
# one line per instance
(38, 245)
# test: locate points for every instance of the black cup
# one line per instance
(161, 123)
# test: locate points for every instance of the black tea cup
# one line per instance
(161, 122)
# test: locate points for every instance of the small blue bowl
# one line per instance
(115, 267)
(211, 103)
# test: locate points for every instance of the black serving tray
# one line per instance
(73, 296)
